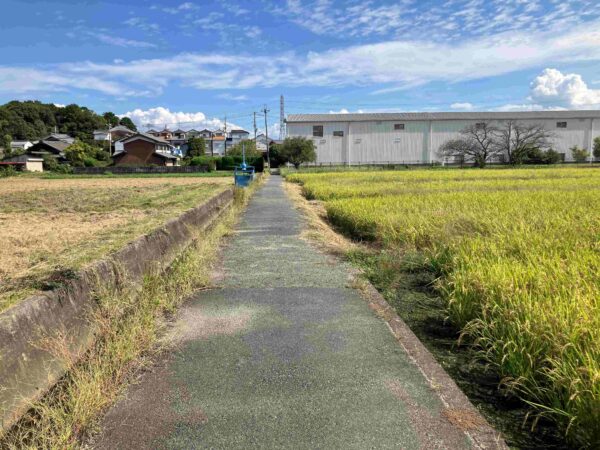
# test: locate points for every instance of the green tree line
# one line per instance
(31, 120)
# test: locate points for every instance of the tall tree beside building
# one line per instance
(298, 150)
(127, 122)
(111, 119)
(196, 146)
(6, 145)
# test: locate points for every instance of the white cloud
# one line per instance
(390, 65)
(235, 98)
(567, 90)
(160, 116)
(447, 20)
(187, 6)
(253, 31)
(464, 106)
(142, 24)
(323, 17)
(119, 41)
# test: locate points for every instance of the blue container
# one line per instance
(243, 175)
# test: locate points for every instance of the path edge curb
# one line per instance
(480, 432)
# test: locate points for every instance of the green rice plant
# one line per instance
(518, 256)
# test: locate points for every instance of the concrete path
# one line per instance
(285, 355)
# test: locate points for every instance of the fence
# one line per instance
(138, 169)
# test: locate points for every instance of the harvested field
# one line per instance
(515, 255)
(50, 228)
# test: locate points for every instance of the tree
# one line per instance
(482, 144)
(111, 119)
(80, 154)
(7, 145)
(597, 147)
(515, 140)
(298, 150)
(459, 149)
(196, 146)
(127, 122)
(579, 154)
(249, 147)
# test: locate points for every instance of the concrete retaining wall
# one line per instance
(26, 370)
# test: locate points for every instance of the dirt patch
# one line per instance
(425, 424)
(463, 419)
(198, 323)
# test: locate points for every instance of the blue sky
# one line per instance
(194, 62)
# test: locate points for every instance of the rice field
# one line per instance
(52, 227)
(517, 254)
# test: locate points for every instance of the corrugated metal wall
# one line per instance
(378, 142)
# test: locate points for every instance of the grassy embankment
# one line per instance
(516, 254)
(50, 228)
(130, 322)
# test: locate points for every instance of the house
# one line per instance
(112, 134)
(25, 161)
(166, 134)
(238, 136)
(415, 138)
(60, 137)
(20, 145)
(53, 145)
(261, 142)
(144, 149)
(179, 134)
(206, 134)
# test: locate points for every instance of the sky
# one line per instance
(193, 63)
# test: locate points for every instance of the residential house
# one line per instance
(145, 149)
(53, 145)
(60, 137)
(28, 162)
(261, 142)
(20, 145)
(238, 136)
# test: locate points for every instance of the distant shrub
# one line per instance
(204, 161)
(7, 171)
(552, 157)
(579, 154)
(88, 161)
(226, 163)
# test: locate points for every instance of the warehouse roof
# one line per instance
(407, 116)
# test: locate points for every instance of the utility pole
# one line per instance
(265, 110)
(254, 127)
(281, 119)
(225, 141)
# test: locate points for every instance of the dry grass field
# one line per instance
(52, 227)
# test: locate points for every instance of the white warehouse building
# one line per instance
(415, 138)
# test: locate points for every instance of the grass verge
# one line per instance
(130, 322)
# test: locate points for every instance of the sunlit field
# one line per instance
(518, 257)
(51, 227)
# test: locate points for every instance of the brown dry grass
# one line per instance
(53, 227)
(319, 230)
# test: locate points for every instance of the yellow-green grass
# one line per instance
(518, 254)
(51, 228)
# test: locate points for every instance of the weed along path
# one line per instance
(284, 354)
